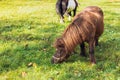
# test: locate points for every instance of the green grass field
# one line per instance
(28, 29)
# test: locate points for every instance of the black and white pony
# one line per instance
(66, 7)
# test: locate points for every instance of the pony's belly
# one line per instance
(71, 5)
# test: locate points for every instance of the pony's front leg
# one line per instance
(91, 51)
(61, 19)
(82, 47)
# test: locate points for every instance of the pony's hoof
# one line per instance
(61, 21)
(93, 64)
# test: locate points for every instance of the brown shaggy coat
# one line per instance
(86, 26)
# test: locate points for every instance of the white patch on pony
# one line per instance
(61, 21)
(69, 18)
(71, 5)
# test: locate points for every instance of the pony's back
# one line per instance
(94, 15)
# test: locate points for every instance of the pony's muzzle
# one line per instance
(55, 60)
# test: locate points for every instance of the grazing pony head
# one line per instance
(61, 53)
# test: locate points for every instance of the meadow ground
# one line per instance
(28, 29)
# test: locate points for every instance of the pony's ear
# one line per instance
(59, 43)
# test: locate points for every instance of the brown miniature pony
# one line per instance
(87, 26)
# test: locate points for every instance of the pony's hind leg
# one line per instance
(96, 41)
(61, 20)
(61, 14)
(82, 46)
(91, 52)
